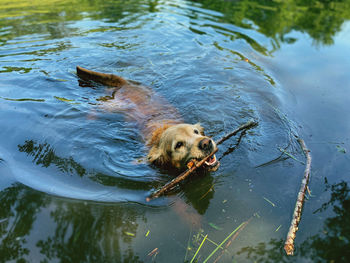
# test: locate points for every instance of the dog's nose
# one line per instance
(206, 145)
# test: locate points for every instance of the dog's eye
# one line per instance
(178, 145)
(196, 131)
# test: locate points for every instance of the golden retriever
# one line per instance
(172, 143)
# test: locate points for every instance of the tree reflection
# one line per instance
(45, 156)
(331, 245)
(320, 19)
(77, 231)
(16, 222)
(83, 232)
(87, 233)
(50, 18)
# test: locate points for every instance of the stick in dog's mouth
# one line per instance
(210, 164)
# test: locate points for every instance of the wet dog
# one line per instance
(172, 143)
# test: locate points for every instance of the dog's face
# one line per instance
(176, 145)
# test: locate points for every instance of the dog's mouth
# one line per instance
(211, 161)
(212, 164)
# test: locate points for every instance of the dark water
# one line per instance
(72, 177)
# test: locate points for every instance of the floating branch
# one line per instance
(198, 164)
(246, 126)
(289, 244)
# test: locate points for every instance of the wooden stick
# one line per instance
(179, 178)
(246, 126)
(289, 244)
(196, 165)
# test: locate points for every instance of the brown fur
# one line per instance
(172, 143)
(163, 150)
(157, 134)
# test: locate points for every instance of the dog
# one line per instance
(172, 143)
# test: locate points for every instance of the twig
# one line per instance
(220, 245)
(153, 252)
(210, 189)
(233, 238)
(278, 228)
(289, 244)
(179, 178)
(246, 126)
(196, 165)
(270, 202)
(232, 149)
(200, 246)
(211, 241)
(289, 155)
(274, 160)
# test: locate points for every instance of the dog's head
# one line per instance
(174, 146)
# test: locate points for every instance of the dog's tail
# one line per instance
(106, 79)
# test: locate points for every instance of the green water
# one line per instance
(73, 181)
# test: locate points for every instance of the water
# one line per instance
(73, 178)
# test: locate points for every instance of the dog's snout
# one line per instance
(206, 145)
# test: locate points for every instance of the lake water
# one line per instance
(73, 181)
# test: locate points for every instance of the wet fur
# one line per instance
(159, 122)
(163, 149)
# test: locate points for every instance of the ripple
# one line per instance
(207, 68)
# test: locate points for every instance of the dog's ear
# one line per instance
(200, 128)
(155, 156)
(156, 153)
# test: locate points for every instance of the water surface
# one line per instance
(73, 180)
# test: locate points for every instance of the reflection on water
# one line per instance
(77, 230)
(45, 156)
(330, 245)
(320, 19)
(73, 178)
(108, 226)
